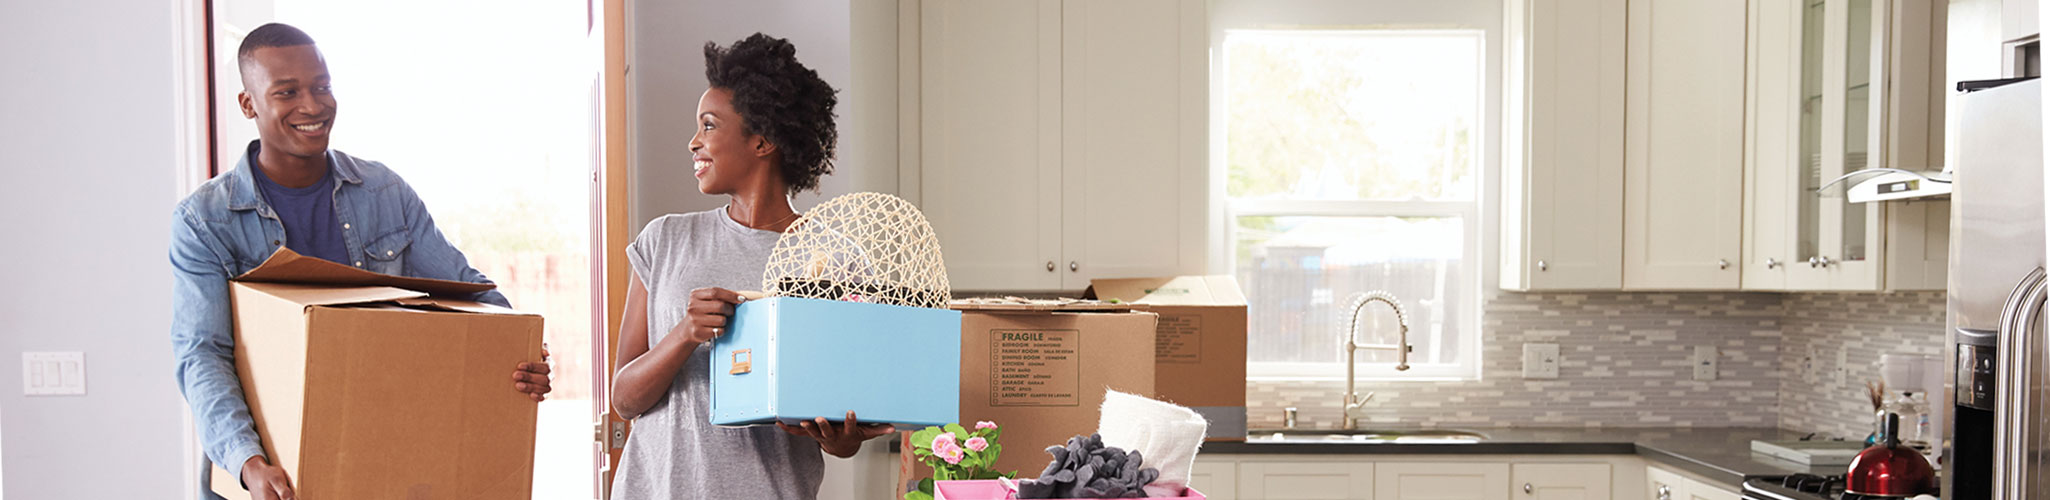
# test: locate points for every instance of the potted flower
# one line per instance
(955, 452)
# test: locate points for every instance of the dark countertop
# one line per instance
(1720, 454)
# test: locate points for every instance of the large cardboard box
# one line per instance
(1042, 372)
(1199, 345)
(792, 359)
(373, 386)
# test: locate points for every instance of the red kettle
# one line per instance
(1888, 469)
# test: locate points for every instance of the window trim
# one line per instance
(1469, 211)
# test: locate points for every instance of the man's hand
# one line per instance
(840, 441)
(265, 481)
(532, 378)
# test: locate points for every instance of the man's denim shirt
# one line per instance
(225, 228)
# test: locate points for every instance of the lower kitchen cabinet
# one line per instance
(1217, 479)
(1319, 480)
(1441, 481)
(1560, 481)
(1662, 484)
(1420, 477)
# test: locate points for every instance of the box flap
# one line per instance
(457, 305)
(1030, 305)
(328, 295)
(1215, 290)
(286, 266)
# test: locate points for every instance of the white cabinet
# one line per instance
(1441, 481)
(1662, 484)
(1683, 167)
(1217, 479)
(1062, 141)
(1562, 187)
(1839, 86)
(1307, 480)
(1415, 477)
(1563, 481)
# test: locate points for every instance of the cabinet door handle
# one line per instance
(1823, 261)
(1049, 266)
(1073, 266)
(1542, 266)
(1813, 263)
(1526, 488)
(1772, 264)
(1665, 492)
(1722, 264)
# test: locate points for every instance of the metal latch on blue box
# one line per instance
(742, 364)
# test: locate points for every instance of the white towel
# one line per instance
(1166, 437)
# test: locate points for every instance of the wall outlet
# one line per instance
(1704, 362)
(53, 373)
(1843, 365)
(1540, 360)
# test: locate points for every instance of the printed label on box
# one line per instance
(1035, 368)
(1178, 339)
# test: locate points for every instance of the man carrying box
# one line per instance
(289, 190)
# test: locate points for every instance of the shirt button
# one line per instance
(359, 263)
(345, 225)
(387, 253)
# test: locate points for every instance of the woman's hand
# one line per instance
(841, 441)
(707, 313)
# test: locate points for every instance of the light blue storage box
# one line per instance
(793, 359)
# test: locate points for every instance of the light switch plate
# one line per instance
(1540, 360)
(53, 373)
(1704, 362)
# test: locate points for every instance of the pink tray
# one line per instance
(990, 489)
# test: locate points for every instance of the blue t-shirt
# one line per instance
(308, 214)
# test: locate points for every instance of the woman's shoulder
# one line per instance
(680, 225)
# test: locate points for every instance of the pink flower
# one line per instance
(978, 443)
(947, 447)
(985, 425)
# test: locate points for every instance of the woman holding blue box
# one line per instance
(765, 131)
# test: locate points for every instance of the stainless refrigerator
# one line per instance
(1998, 443)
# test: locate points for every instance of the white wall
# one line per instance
(86, 145)
(666, 75)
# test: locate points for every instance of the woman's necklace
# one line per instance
(765, 227)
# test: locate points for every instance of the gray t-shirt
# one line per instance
(675, 451)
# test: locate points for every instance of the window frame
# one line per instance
(1474, 220)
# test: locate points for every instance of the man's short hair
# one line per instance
(269, 35)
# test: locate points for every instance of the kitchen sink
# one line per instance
(1407, 436)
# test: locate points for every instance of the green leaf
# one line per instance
(958, 431)
(917, 495)
(923, 438)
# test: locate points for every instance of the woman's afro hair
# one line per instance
(781, 100)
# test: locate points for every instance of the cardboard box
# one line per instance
(1200, 344)
(793, 359)
(367, 386)
(1041, 374)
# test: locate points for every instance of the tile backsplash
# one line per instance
(1863, 326)
(1625, 362)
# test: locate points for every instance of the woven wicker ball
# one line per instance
(860, 247)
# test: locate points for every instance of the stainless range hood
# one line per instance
(1884, 184)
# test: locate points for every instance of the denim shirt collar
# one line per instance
(242, 181)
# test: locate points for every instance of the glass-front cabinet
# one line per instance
(1837, 86)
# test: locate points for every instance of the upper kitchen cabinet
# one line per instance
(1839, 86)
(1683, 162)
(1562, 186)
(1061, 142)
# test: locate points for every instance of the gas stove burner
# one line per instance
(1802, 487)
(1828, 486)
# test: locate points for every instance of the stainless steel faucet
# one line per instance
(1353, 401)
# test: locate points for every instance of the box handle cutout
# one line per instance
(740, 364)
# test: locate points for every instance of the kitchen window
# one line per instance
(1352, 162)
